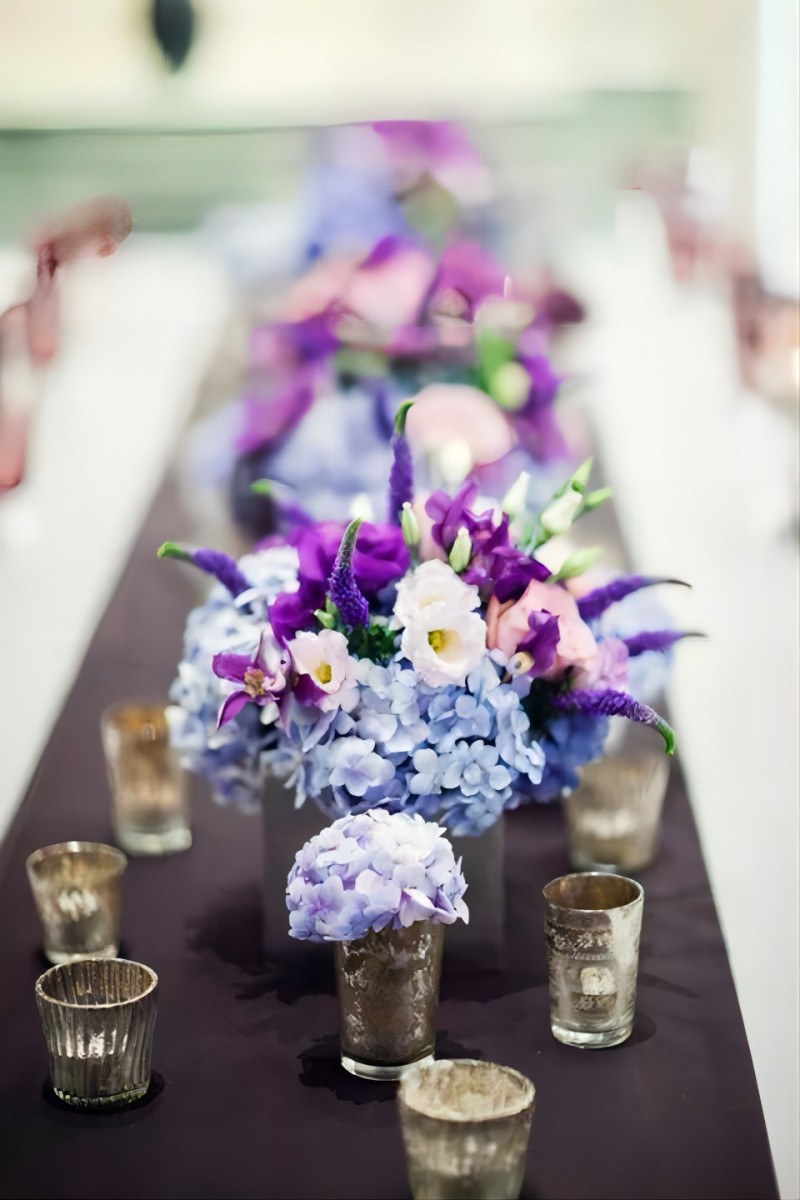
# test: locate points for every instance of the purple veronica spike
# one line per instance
(655, 639)
(401, 476)
(343, 590)
(609, 703)
(213, 562)
(595, 603)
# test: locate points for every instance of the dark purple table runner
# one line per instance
(249, 1099)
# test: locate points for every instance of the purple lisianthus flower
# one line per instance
(372, 871)
(495, 560)
(263, 681)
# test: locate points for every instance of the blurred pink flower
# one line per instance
(444, 412)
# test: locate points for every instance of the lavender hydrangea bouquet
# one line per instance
(382, 886)
(429, 665)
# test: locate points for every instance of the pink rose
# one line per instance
(508, 626)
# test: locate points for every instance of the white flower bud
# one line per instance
(561, 512)
(410, 525)
(461, 552)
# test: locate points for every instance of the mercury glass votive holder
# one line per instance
(98, 1018)
(614, 817)
(388, 988)
(592, 926)
(77, 888)
(466, 1126)
(150, 805)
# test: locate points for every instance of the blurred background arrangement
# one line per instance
(632, 165)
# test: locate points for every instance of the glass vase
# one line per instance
(388, 988)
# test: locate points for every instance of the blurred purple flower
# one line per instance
(594, 604)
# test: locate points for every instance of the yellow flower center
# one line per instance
(437, 639)
(324, 673)
(254, 682)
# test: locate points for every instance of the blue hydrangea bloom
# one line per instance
(372, 871)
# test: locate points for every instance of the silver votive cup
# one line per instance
(592, 927)
(150, 806)
(77, 888)
(465, 1127)
(614, 817)
(388, 988)
(98, 1018)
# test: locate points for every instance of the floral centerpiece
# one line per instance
(431, 665)
(381, 886)
(358, 336)
(397, 294)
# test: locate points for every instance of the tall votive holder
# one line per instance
(614, 817)
(592, 928)
(388, 988)
(98, 1018)
(466, 1126)
(150, 805)
(77, 888)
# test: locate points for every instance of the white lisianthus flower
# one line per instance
(330, 671)
(433, 583)
(444, 644)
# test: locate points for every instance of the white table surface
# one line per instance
(702, 475)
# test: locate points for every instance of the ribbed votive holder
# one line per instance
(150, 804)
(77, 887)
(98, 1018)
(465, 1127)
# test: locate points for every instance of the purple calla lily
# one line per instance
(261, 683)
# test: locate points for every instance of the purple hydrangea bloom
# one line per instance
(372, 871)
